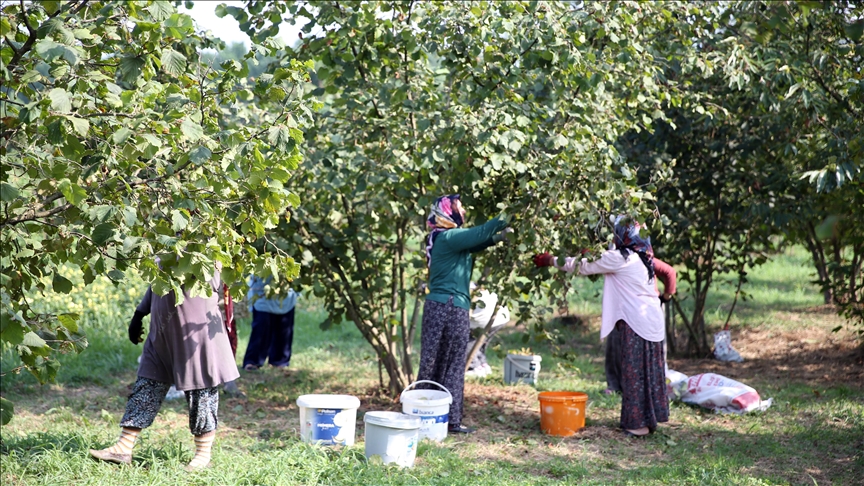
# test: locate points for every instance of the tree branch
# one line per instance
(31, 37)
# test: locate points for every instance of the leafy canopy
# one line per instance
(120, 145)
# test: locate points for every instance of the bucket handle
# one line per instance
(425, 381)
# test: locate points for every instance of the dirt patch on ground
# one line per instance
(813, 356)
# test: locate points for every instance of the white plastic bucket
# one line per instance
(521, 369)
(328, 419)
(432, 406)
(392, 436)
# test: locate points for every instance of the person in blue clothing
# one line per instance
(272, 327)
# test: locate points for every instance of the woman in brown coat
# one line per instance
(187, 346)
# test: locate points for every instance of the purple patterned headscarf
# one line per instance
(627, 240)
(442, 218)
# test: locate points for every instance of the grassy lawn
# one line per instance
(813, 434)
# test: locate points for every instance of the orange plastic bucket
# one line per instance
(562, 413)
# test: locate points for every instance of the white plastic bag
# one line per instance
(482, 312)
(723, 349)
(722, 394)
(676, 384)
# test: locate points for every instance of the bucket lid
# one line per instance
(562, 396)
(394, 420)
(328, 401)
(522, 357)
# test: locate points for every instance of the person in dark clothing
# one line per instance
(445, 328)
(272, 328)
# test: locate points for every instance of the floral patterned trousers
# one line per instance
(643, 381)
(443, 339)
(146, 399)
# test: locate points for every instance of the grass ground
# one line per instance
(813, 433)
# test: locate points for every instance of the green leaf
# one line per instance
(73, 193)
(50, 6)
(116, 275)
(5, 26)
(102, 212)
(32, 340)
(280, 136)
(7, 410)
(81, 125)
(12, 330)
(60, 100)
(129, 244)
(121, 135)
(191, 130)
(130, 68)
(855, 30)
(173, 62)
(69, 321)
(294, 200)
(181, 21)
(160, 10)
(102, 233)
(199, 155)
(130, 216)
(74, 149)
(178, 220)
(61, 284)
(8, 192)
(50, 50)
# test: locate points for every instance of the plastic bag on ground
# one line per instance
(722, 394)
(723, 349)
(676, 384)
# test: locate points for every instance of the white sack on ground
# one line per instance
(715, 392)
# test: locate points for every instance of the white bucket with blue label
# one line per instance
(432, 406)
(392, 437)
(328, 419)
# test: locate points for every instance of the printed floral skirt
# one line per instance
(643, 381)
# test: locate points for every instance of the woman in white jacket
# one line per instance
(630, 306)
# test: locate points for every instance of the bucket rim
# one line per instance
(393, 420)
(344, 402)
(443, 388)
(524, 357)
(562, 396)
(406, 398)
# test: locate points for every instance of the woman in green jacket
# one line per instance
(446, 328)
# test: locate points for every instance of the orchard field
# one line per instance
(138, 148)
(813, 433)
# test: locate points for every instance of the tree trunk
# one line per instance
(482, 337)
(818, 254)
